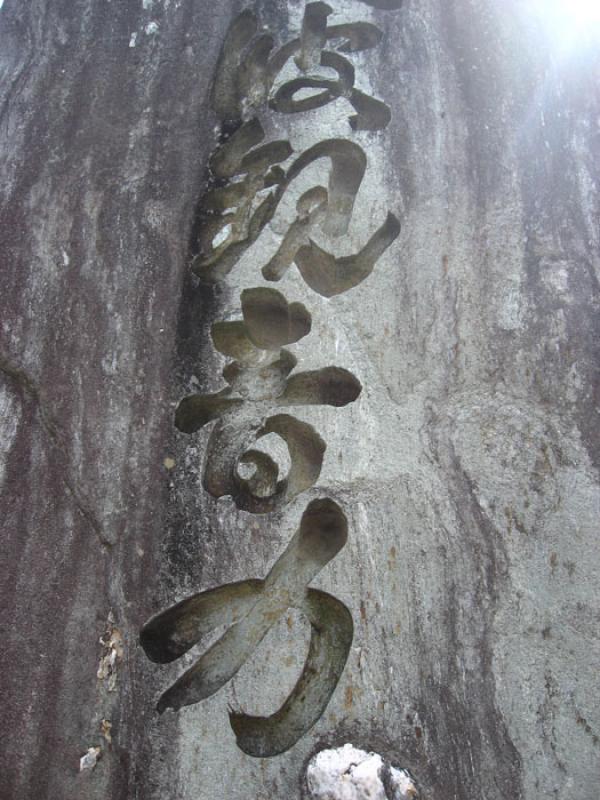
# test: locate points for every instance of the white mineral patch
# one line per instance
(222, 236)
(347, 773)
(151, 28)
(90, 759)
(132, 40)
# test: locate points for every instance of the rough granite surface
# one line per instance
(468, 467)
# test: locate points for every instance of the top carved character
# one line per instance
(249, 66)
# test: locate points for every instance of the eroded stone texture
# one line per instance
(467, 467)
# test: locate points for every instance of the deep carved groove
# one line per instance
(384, 5)
(331, 637)
(173, 632)
(348, 164)
(331, 386)
(227, 159)
(329, 275)
(253, 74)
(311, 208)
(357, 36)
(285, 103)
(225, 95)
(306, 451)
(271, 321)
(313, 35)
(257, 161)
(372, 114)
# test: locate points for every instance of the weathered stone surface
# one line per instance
(103, 146)
(467, 468)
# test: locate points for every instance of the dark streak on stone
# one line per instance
(58, 439)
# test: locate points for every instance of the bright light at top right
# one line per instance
(584, 10)
(571, 23)
(571, 13)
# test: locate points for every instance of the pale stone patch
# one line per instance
(10, 415)
(347, 773)
(90, 759)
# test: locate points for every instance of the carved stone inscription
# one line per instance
(251, 608)
(247, 183)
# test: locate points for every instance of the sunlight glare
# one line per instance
(584, 11)
(570, 13)
(572, 24)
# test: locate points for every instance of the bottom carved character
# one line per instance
(250, 609)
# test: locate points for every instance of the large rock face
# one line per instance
(467, 466)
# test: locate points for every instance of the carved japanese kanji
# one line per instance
(250, 609)
(248, 178)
